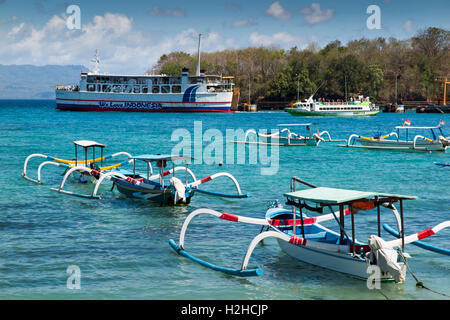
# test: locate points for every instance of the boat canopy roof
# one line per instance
(156, 157)
(88, 143)
(333, 196)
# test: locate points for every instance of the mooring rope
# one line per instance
(381, 292)
(419, 284)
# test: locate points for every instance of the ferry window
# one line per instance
(165, 89)
(155, 89)
(175, 80)
(154, 81)
(145, 89)
(176, 89)
(91, 87)
(137, 89)
(165, 80)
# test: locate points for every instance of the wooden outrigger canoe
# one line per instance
(152, 187)
(418, 142)
(313, 243)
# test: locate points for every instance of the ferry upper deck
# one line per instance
(91, 82)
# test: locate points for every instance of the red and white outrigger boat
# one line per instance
(132, 184)
(313, 243)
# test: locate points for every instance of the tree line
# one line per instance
(381, 68)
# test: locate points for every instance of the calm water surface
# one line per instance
(121, 245)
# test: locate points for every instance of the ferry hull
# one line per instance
(303, 113)
(94, 101)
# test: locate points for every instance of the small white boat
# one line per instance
(313, 243)
(81, 168)
(403, 138)
(289, 135)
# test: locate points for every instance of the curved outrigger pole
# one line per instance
(101, 176)
(219, 194)
(243, 272)
(422, 244)
(68, 164)
(275, 232)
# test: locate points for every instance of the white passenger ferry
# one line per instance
(147, 93)
(310, 107)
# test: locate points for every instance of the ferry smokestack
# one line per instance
(202, 72)
(185, 72)
(198, 56)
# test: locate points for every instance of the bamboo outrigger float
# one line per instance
(313, 243)
(442, 164)
(286, 136)
(132, 184)
(402, 140)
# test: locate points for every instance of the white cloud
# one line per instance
(282, 39)
(408, 26)
(315, 14)
(277, 11)
(122, 48)
(244, 23)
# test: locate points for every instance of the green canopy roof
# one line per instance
(338, 196)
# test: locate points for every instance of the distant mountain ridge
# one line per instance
(36, 82)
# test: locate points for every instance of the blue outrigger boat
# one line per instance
(304, 238)
(132, 184)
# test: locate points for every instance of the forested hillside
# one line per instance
(368, 67)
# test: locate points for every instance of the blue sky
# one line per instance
(131, 35)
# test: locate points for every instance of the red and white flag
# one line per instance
(407, 122)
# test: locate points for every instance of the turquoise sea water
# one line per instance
(121, 245)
